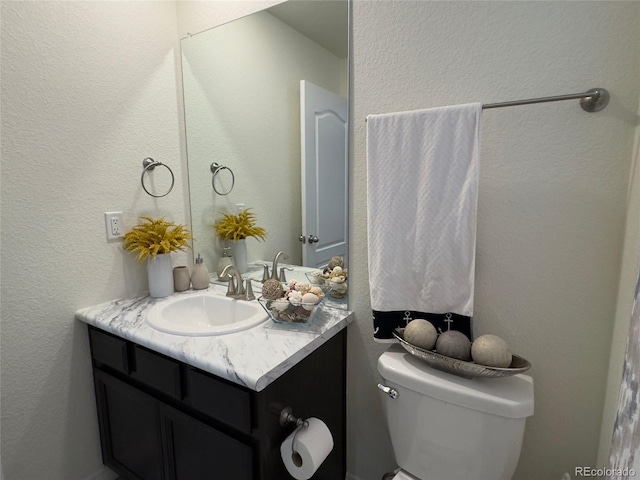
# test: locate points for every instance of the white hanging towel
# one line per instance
(422, 180)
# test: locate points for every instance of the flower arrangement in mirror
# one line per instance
(156, 236)
(239, 227)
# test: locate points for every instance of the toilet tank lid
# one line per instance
(510, 397)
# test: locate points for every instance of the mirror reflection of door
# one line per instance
(324, 166)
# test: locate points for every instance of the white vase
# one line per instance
(160, 276)
(240, 255)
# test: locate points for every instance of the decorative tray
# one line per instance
(460, 367)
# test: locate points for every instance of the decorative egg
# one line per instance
(492, 351)
(316, 291)
(336, 262)
(454, 344)
(302, 287)
(421, 333)
(309, 301)
(272, 289)
(336, 271)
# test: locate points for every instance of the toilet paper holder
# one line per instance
(287, 417)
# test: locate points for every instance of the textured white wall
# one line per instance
(88, 91)
(552, 203)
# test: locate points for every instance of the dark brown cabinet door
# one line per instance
(129, 429)
(196, 451)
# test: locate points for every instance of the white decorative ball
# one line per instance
(421, 333)
(492, 351)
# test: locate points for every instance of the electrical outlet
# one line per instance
(113, 222)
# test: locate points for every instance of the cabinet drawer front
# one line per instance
(220, 400)
(157, 371)
(109, 350)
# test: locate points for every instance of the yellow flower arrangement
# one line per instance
(156, 236)
(240, 226)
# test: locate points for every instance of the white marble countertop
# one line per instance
(253, 358)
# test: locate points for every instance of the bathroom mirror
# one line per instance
(247, 86)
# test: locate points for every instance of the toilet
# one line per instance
(445, 427)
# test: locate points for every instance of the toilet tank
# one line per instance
(445, 427)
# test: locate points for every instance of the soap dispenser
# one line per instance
(225, 260)
(200, 275)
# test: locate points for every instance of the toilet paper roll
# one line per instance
(304, 450)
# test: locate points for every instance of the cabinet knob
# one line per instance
(313, 239)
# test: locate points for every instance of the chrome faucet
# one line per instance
(236, 289)
(274, 267)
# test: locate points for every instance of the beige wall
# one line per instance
(553, 196)
(88, 91)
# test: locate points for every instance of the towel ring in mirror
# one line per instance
(149, 164)
(216, 168)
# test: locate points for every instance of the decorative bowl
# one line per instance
(316, 278)
(339, 290)
(460, 367)
(282, 310)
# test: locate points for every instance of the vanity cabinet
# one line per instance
(161, 419)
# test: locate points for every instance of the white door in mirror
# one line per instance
(324, 132)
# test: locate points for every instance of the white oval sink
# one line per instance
(205, 313)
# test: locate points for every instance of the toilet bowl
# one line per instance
(445, 427)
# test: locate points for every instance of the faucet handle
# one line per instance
(248, 292)
(283, 276)
(231, 286)
(265, 272)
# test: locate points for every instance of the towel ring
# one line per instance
(216, 168)
(148, 165)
